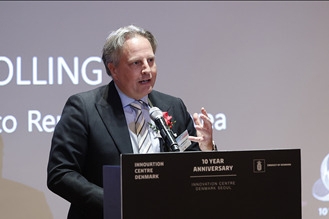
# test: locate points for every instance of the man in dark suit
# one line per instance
(97, 126)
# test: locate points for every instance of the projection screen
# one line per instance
(261, 70)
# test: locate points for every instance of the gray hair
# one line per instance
(114, 42)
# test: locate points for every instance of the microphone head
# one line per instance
(155, 113)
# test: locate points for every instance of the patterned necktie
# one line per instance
(142, 133)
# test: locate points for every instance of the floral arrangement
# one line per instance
(167, 119)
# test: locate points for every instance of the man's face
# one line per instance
(136, 72)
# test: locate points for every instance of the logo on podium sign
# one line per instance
(259, 165)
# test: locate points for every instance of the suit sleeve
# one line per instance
(67, 158)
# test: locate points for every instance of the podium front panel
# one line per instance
(229, 184)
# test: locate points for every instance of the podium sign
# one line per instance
(232, 184)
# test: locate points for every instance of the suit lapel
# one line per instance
(111, 112)
(157, 102)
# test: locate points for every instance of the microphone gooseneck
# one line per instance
(165, 132)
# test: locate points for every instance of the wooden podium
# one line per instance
(224, 184)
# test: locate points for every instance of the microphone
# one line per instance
(167, 134)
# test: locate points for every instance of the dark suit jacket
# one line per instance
(92, 132)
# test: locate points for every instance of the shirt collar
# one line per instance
(127, 100)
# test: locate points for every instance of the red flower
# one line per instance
(167, 118)
(168, 122)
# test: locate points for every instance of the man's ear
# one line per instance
(113, 71)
